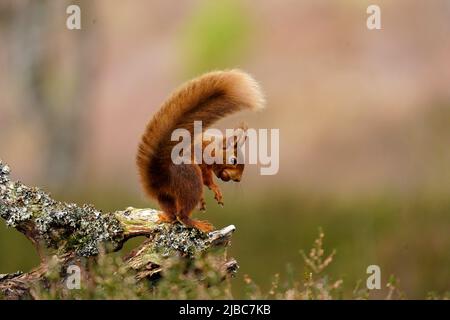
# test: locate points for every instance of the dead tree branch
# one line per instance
(67, 233)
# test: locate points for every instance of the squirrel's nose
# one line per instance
(237, 179)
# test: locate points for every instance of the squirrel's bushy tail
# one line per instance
(207, 98)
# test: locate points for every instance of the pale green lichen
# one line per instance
(63, 226)
(82, 229)
(168, 239)
(68, 227)
(15, 199)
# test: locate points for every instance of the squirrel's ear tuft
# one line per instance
(243, 125)
(241, 133)
(239, 136)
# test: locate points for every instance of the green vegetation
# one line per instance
(215, 37)
(406, 235)
(203, 278)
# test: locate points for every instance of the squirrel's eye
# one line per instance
(233, 160)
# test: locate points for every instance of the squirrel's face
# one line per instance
(231, 169)
(227, 172)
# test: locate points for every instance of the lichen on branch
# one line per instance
(64, 227)
(67, 233)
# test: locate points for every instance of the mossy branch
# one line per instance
(68, 233)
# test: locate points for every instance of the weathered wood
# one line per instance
(66, 233)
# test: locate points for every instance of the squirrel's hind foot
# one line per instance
(203, 226)
(164, 217)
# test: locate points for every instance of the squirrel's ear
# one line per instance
(230, 142)
(239, 136)
(243, 125)
(241, 133)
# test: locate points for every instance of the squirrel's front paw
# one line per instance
(202, 205)
(217, 194)
(219, 198)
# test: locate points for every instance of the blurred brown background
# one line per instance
(364, 119)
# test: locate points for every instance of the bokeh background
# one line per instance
(364, 119)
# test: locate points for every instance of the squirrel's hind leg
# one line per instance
(169, 207)
(184, 216)
(187, 189)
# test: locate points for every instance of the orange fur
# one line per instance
(208, 98)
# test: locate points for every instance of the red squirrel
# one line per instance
(178, 188)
